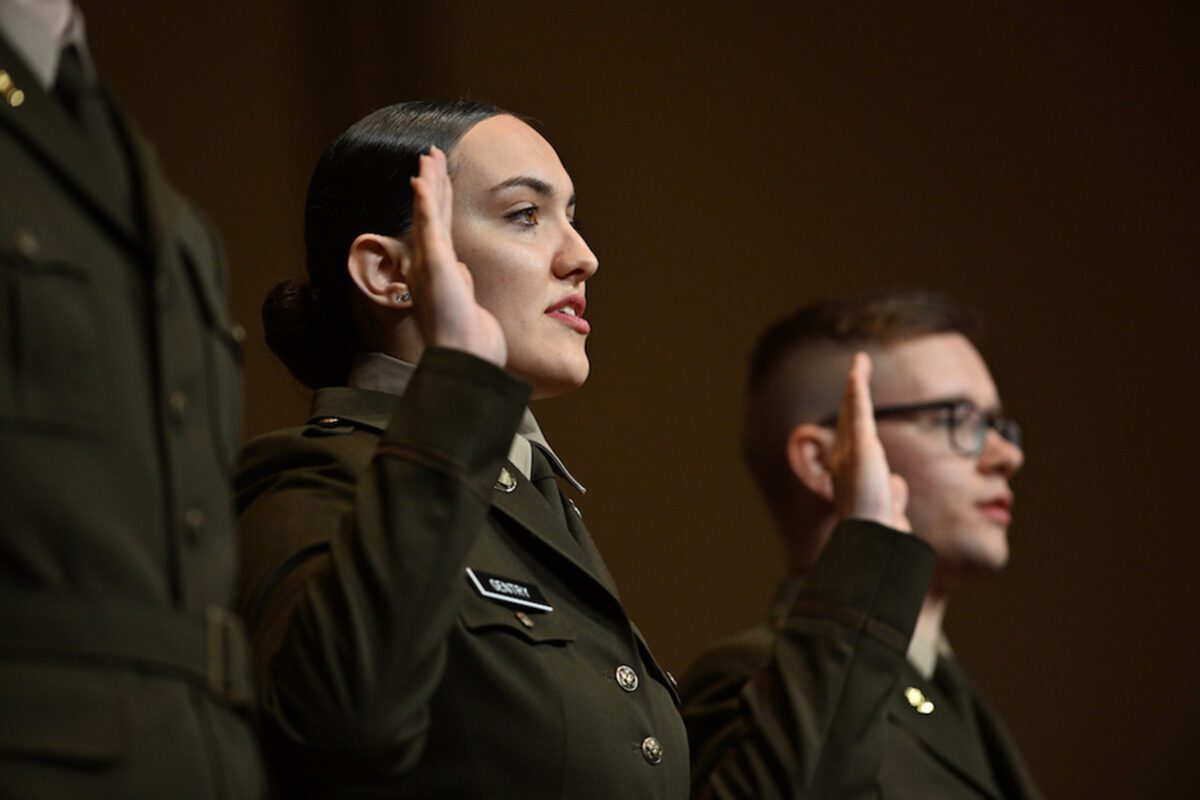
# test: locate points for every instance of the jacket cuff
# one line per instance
(871, 577)
(459, 409)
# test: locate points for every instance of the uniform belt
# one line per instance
(206, 647)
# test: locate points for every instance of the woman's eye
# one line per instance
(525, 216)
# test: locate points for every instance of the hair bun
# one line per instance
(315, 348)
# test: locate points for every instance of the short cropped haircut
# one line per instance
(797, 368)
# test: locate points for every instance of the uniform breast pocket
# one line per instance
(487, 617)
(51, 348)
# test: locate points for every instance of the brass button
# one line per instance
(5, 81)
(524, 619)
(177, 402)
(193, 523)
(15, 98)
(652, 750)
(238, 333)
(627, 679)
(917, 699)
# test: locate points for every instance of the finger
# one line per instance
(899, 492)
(431, 232)
(438, 206)
(441, 167)
(856, 419)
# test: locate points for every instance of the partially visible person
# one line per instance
(850, 689)
(123, 673)
(430, 614)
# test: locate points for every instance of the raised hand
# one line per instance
(441, 285)
(864, 486)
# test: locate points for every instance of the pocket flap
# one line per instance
(479, 614)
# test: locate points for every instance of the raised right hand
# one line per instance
(864, 486)
(443, 291)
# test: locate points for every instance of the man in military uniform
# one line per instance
(122, 674)
(851, 689)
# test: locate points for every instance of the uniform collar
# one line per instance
(38, 32)
(922, 654)
(380, 372)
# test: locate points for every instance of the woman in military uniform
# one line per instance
(430, 615)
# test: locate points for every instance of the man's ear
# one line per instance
(809, 447)
(378, 266)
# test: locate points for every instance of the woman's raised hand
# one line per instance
(864, 485)
(442, 289)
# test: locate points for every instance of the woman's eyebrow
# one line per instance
(537, 184)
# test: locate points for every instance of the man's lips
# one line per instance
(998, 509)
(569, 311)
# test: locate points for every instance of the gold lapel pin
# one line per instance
(917, 699)
(505, 482)
(12, 94)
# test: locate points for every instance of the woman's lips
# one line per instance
(569, 311)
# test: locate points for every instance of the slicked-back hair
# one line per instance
(797, 367)
(360, 185)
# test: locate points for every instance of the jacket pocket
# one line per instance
(61, 713)
(51, 356)
(481, 615)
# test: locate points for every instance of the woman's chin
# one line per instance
(553, 380)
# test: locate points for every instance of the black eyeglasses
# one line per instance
(967, 423)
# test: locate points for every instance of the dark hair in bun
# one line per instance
(361, 185)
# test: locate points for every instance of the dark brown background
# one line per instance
(1038, 161)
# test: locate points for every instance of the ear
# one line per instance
(809, 447)
(378, 266)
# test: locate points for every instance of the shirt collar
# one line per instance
(380, 372)
(40, 31)
(923, 654)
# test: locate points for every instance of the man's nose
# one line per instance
(1000, 455)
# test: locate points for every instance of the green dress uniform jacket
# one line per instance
(821, 702)
(425, 623)
(122, 673)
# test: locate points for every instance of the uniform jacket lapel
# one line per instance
(943, 732)
(162, 205)
(57, 140)
(1011, 773)
(524, 505)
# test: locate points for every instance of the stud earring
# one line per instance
(403, 298)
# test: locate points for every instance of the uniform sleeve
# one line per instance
(801, 711)
(365, 566)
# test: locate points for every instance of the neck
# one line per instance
(403, 340)
(929, 620)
